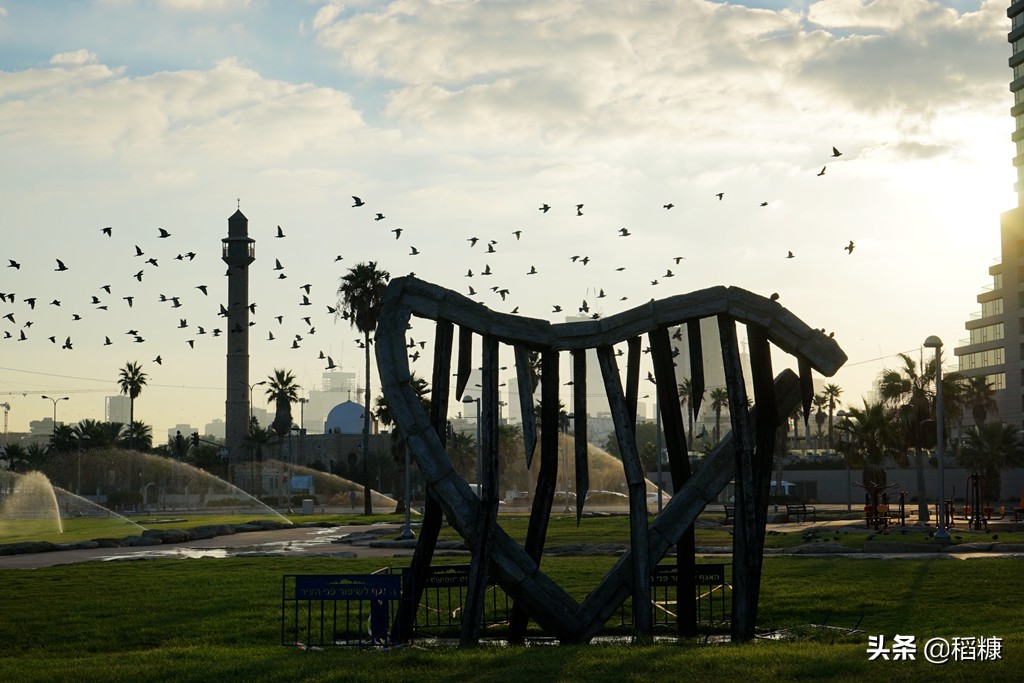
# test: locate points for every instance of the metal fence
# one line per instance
(359, 609)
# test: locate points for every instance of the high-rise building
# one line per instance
(995, 347)
(117, 409)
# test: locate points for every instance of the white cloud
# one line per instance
(325, 15)
(204, 5)
(76, 58)
(3, 12)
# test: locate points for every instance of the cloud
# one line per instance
(204, 5)
(76, 58)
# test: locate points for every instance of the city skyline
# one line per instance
(881, 126)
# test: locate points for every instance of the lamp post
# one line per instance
(55, 400)
(479, 469)
(302, 430)
(933, 342)
(251, 387)
(842, 415)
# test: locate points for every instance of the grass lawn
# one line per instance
(210, 620)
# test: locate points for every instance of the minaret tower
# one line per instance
(238, 251)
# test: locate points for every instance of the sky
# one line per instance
(460, 119)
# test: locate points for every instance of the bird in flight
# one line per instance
(556, 309)
(106, 341)
(849, 247)
(280, 232)
(472, 241)
(677, 259)
(379, 217)
(357, 201)
(836, 153)
(330, 363)
(517, 233)
(163, 233)
(533, 270)
(623, 232)
(306, 287)
(544, 208)
(158, 360)
(13, 264)
(720, 195)
(60, 266)
(67, 344)
(472, 292)
(398, 232)
(667, 206)
(202, 288)
(413, 251)
(822, 171)
(138, 276)
(790, 255)
(138, 251)
(579, 209)
(107, 230)
(277, 265)
(764, 203)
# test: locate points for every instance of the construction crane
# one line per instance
(26, 392)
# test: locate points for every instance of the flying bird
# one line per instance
(720, 195)
(158, 360)
(280, 232)
(517, 233)
(822, 171)
(67, 344)
(13, 264)
(764, 203)
(533, 270)
(398, 232)
(60, 266)
(330, 363)
(623, 232)
(106, 288)
(138, 276)
(472, 292)
(579, 209)
(472, 241)
(202, 288)
(106, 341)
(544, 208)
(667, 206)
(138, 251)
(129, 299)
(153, 261)
(379, 217)
(277, 265)
(357, 200)
(306, 287)
(413, 251)
(836, 153)
(107, 230)
(849, 247)
(163, 233)
(790, 255)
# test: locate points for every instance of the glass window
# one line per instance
(994, 307)
(997, 281)
(981, 359)
(995, 332)
(997, 380)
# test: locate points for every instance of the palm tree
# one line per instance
(719, 402)
(988, 448)
(254, 440)
(361, 291)
(831, 392)
(687, 400)
(131, 380)
(979, 396)
(282, 391)
(909, 393)
(797, 416)
(819, 403)
(871, 437)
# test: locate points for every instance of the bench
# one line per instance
(730, 514)
(800, 511)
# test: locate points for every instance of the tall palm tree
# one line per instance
(131, 380)
(871, 436)
(282, 390)
(719, 402)
(979, 397)
(361, 291)
(796, 416)
(819, 403)
(687, 400)
(908, 392)
(988, 448)
(831, 392)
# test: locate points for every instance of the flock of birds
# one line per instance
(196, 317)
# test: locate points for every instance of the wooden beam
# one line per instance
(547, 482)
(579, 394)
(487, 521)
(642, 618)
(433, 516)
(679, 466)
(632, 377)
(693, 337)
(465, 366)
(766, 427)
(526, 401)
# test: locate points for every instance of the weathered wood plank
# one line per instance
(487, 520)
(579, 394)
(632, 377)
(522, 358)
(696, 345)
(465, 366)
(766, 426)
(642, 618)
(547, 481)
(679, 466)
(806, 388)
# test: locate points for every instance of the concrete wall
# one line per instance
(830, 486)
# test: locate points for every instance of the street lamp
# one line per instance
(842, 415)
(55, 400)
(479, 463)
(933, 342)
(251, 387)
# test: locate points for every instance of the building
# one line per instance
(238, 252)
(117, 409)
(214, 430)
(995, 346)
(337, 387)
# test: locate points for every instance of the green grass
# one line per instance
(209, 620)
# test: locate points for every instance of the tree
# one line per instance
(17, 458)
(141, 435)
(908, 392)
(719, 402)
(386, 419)
(870, 437)
(282, 391)
(831, 393)
(131, 381)
(688, 400)
(361, 291)
(979, 397)
(819, 403)
(254, 440)
(988, 448)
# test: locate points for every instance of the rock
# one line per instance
(969, 547)
(168, 535)
(138, 541)
(1008, 547)
(109, 542)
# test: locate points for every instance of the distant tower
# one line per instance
(239, 250)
